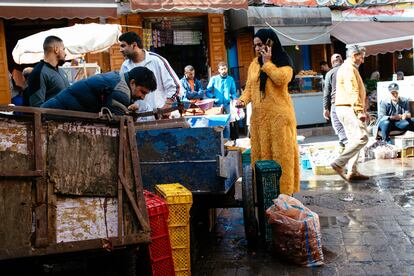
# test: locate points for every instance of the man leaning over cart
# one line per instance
(112, 90)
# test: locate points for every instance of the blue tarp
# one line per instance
(208, 120)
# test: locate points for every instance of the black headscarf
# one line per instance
(279, 56)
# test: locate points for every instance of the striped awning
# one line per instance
(177, 5)
(22, 9)
(376, 37)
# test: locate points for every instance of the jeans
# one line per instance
(386, 126)
(337, 126)
(226, 131)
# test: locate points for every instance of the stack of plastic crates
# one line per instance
(406, 144)
(160, 248)
(179, 201)
(267, 174)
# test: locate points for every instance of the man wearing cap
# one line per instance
(329, 92)
(350, 108)
(394, 114)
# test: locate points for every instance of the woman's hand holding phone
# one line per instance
(266, 53)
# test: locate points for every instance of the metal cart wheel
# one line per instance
(249, 211)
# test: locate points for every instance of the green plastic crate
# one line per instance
(267, 173)
(246, 157)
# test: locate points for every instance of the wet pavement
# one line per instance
(367, 227)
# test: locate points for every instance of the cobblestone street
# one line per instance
(367, 227)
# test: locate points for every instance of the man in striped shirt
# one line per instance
(168, 84)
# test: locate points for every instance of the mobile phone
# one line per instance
(269, 43)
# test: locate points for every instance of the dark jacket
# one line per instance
(44, 82)
(329, 88)
(198, 92)
(387, 109)
(90, 95)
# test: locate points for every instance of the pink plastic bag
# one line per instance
(296, 231)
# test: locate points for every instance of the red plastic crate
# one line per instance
(160, 247)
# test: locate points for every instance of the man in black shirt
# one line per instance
(47, 79)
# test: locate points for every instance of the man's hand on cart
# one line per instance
(133, 107)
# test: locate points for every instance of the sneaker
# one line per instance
(339, 170)
(357, 177)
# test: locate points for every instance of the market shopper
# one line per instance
(329, 91)
(350, 108)
(168, 84)
(192, 87)
(222, 88)
(112, 90)
(324, 67)
(394, 114)
(47, 79)
(273, 122)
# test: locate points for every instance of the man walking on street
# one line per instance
(350, 108)
(168, 84)
(47, 79)
(329, 92)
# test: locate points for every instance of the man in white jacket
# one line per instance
(168, 84)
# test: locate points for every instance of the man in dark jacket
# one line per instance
(329, 92)
(192, 86)
(394, 114)
(47, 79)
(112, 90)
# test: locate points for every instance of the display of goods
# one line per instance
(307, 73)
(321, 159)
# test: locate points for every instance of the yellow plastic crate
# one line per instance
(179, 201)
(408, 152)
(321, 169)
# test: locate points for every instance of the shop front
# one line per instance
(305, 36)
(20, 18)
(183, 33)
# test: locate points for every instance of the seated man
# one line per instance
(192, 86)
(394, 114)
(112, 90)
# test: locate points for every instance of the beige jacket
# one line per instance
(350, 89)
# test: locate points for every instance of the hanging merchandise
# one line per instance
(147, 38)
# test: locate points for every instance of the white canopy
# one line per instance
(78, 39)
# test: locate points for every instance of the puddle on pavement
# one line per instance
(327, 221)
(406, 200)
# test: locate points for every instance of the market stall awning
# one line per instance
(21, 9)
(376, 37)
(176, 5)
(295, 26)
(79, 39)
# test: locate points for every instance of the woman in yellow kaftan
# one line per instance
(273, 122)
